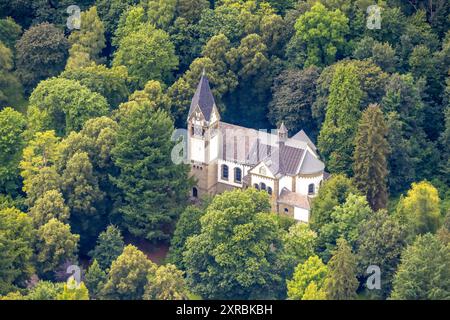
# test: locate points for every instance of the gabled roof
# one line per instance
(251, 147)
(302, 136)
(203, 98)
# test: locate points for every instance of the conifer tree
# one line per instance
(95, 279)
(339, 128)
(154, 188)
(109, 246)
(341, 283)
(370, 164)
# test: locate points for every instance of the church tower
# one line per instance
(203, 139)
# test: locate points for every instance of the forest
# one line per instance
(93, 208)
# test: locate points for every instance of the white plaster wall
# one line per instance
(285, 182)
(231, 166)
(301, 214)
(258, 179)
(302, 183)
(197, 149)
(214, 148)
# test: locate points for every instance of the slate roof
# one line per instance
(250, 147)
(203, 98)
(294, 199)
(302, 136)
(311, 164)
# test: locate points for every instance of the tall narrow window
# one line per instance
(269, 190)
(194, 192)
(311, 189)
(224, 172)
(263, 186)
(237, 175)
(256, 186)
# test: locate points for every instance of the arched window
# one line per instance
(311, 189)
(224, 172)
(194, 192)
(256, 186)
(263, 186)
(237, 175)
(269, 190)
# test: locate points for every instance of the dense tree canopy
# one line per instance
(89, 105)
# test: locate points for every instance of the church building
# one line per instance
(224, 156)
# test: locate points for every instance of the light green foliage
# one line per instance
(80, 185)
(321, 35)
(55, 244)
(83, 195)
(74, 291)
(345, 222)
(16, 250)
(412, 283)
(308, 280)
(370, 157)
(160, 12)
(332, 193)
(299, 244)
(341, 120)
(41, 152)
(90, 39)
(50, 205)
(12, 126)
(372, 79)
(147, 53)
(154, 188)
(111, 83)
(187, 225)
(166, 283)
(236, 253)
(128, 275)
(151, 96)
(420, 209)
(109, 246)
(45, 290)
(110, 12)
(341, 282)
(64, 105)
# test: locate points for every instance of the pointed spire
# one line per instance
(203, 98)
(283, 128)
